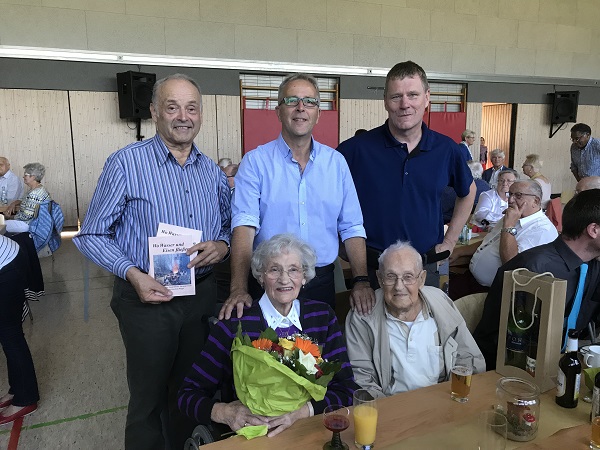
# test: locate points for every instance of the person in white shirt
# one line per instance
(408, 339)
(524, 226)
(492, 204)
(10, 182)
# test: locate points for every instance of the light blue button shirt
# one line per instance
(273, 196)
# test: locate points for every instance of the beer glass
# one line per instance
(365, 419)
(462, 371)
(595, 441)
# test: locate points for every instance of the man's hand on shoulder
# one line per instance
(209, 252)
(237, 299)
(362, 298)
(148, 289)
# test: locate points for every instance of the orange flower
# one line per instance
(262, 344)
(307, 347)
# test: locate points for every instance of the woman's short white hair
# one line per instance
(476, 169)
(534, 161)
(278, 245)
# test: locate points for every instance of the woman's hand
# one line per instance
(236, 415)
(280, 423)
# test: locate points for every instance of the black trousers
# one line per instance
(321, 287)
(161, 343)
(21, 373)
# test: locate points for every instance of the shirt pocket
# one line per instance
(436, 362)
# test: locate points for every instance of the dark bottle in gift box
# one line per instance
(569, 374)
(517, 335)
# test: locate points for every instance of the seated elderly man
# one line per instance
(523, 226)
(408, 340)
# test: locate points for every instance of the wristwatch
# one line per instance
(360, 279)
(510, 230)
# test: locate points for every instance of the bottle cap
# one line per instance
(573, 334)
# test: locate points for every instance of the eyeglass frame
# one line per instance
(383, 279)
(576, 140)
(280, 273)
(285, 101)
(518, 195)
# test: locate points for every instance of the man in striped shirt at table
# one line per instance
(163, 179)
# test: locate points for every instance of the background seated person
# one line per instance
(34, 172)
(407, 341)
(491, 175)
(523, 226)
(282, 265)
(493, 203)
(532, 167)
(587, 183)
(449, 194)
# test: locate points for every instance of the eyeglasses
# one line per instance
(503, 181)
(27, 175)
(391, 279)
(518, 195)
(577, 139)
(274, 273)
(308, 102)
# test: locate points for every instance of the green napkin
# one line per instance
(251, 432)
(590, 375)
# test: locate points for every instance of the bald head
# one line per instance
(587, 183)
(4, 166)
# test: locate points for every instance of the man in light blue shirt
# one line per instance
(585, 152)
(162, 179)
(10, 182)
(296, 185)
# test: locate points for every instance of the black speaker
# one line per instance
(564, 107)
(135, 94)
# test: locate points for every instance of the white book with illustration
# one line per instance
(168, 263)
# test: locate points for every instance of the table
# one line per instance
(425, 418)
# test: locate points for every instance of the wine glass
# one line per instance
(336, 419)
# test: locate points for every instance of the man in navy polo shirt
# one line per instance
(405, 201)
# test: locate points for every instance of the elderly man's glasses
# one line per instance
(308, 102)
(274, 273)
(391, 279)
(577, 139)
(518, 195)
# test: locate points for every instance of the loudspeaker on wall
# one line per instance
(135, 94)
(564, 107)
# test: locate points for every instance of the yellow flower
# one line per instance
(288, 345)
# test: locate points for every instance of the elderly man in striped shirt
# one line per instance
(163, 179)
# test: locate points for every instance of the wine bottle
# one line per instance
(517, 338)
(569, 374)
(533, 344)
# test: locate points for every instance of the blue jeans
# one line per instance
(21, 373)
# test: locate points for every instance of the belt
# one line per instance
(203, 277)
(324, 269)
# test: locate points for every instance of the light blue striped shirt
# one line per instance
(586, 160)
(8, 251)
(272, 196)
(142, 185)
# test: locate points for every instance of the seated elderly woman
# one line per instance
(492, 204)
(532, 167)
(282, 265)
(408, 340)
(26, 209)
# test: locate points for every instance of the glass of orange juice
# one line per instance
(365, 419)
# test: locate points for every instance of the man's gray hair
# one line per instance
(534, 161)
(533, 187)
(224, 162)
(476, 169)
(497, 152)
(401, 245)
(36, 169)
(465, 134)
(278, 245)
(175, 76)
(297, 76)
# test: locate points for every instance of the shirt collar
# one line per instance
(424, 144)
(162, 152)
(535, 216)
(275, 319)
(286, 152)
(569, 256)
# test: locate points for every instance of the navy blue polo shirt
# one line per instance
(400, 192)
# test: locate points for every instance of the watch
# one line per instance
(510, 230)
(361, 279)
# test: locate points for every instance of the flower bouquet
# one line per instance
(275, 376)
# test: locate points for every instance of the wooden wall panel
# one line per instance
(495, 121)
(34, 127)
(532, 136)
(355, 114)
(229, 127)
